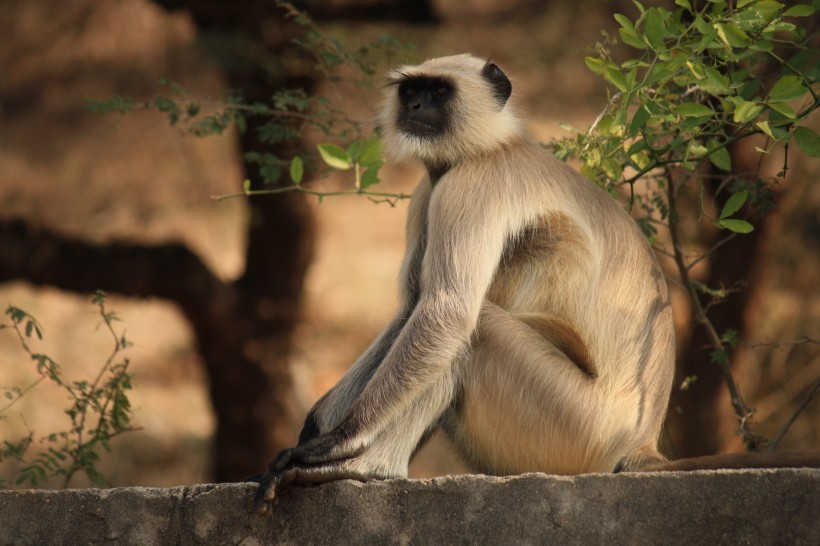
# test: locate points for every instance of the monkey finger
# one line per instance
(328, 448)
(282, 459)
(266, 492)
(323, 473)
(316, 451)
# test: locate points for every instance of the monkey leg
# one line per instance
(525, 406)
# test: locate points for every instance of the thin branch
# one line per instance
(785, 428)
(84, 408)
(777, 344)
(669, 162)
(21, 393)
(36, 382)
(317, 193)
(709, 252)
(742, 411)
(612, 100)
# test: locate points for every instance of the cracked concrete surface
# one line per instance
(714, 507)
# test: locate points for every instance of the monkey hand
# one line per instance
(322, 459)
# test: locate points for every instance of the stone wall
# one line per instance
(714, 507)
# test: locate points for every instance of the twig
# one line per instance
(609, 104)
(321, 195)
(21, 393)
(742, 411)
(709, 252)
(785, 428)
(36, 382)
(777, 344)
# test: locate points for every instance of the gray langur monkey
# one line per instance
(534, 324)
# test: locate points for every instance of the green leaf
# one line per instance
(731, 35)
(693, 110)
(720, 157)
(638, 146)
(624, 21)
(787, 88)
(639, 120)
(684, 4)
(733, 204)
(696, 70)
(730, 337)
(659, 72)
(764, 126)
(807, 140)
(246, 186)
(355, 149)
(804, 62)
(370, 177)
(334, 156)
(297, 169)
(800, 10)
(708, 40)
(762, 45)
(738, 226)
(631, 38)
(714, 82)
(372, 153)
(616, 78)
(745, 110)
(270, 172)
(695, 149)
(654, 27)
(595, 64)
(170, 107)
(687, 382)
(272, 133)
(766, 8)
(783, 108)
(702, 26)
(709, 291)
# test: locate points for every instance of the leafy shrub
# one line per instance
(98, 409)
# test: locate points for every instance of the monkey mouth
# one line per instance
(414, 127)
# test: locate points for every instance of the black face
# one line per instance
(424, 105)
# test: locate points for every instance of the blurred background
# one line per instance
(242, 313)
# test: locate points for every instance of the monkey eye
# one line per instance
(440, 90)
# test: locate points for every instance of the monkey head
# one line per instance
(446, 110)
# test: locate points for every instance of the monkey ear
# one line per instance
(502, 88)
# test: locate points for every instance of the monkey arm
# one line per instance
(334, 406)
(462, 252)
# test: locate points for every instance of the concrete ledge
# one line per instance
(715, 507)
